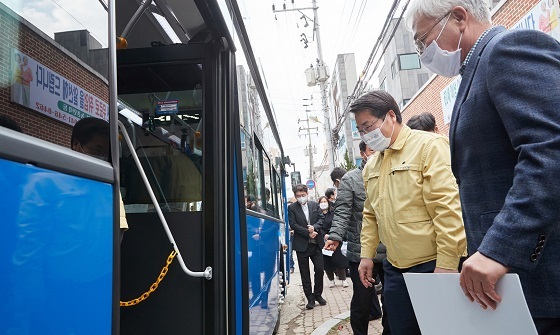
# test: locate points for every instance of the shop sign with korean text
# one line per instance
(41, 89)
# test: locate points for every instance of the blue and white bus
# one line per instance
(195, 161)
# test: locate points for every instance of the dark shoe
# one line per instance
(321, 301)
(310, 304)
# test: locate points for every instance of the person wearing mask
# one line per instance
(306, 219)
(505, 148)
(330, 193)
(90, 136)
(412, 205)
(423, 121)
(347, 222)
(335, 262)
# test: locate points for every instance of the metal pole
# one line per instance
(323, 85)
(310, 148)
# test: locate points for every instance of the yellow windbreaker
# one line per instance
(412, 203)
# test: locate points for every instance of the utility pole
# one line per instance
(321, 74)
(323, 86)
(310, 149)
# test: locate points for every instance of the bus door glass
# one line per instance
(161, 106)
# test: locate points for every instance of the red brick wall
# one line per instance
(429, 99)
(13, 34)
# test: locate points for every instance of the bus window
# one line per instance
(166, 130)
(268, 200)
(53, 78)
(250, 173)
(279, 198)
(171, 156)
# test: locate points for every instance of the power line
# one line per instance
(349, 20)
(362, 81)
(338, 31)
(357, 21)
(80, 23)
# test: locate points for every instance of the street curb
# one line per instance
(324, 328)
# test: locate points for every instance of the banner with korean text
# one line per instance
(39, 88)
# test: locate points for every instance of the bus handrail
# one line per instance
(207, 274)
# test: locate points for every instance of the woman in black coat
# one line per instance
(337, 261)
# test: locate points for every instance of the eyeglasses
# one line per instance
(419, 42)
(367, 128)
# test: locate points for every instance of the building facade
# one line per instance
(57, 78)
(438, 94)
(403, 74)
(342, 83)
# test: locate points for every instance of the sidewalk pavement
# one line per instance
(330, 319)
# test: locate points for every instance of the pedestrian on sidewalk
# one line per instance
(336, 262)
(505, 146)
(347, 223)
(306, 219)
(330, 193)
(412, 205)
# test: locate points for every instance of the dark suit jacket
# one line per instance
(299, 224)
(505, 150)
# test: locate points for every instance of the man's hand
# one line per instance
(313, 234)
(365, 271)
(331, 245)
(478, 280)
(310, 229)
(440, 270)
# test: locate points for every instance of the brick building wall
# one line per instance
(428, 99)
(16, 32)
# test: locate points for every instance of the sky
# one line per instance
(346, 26)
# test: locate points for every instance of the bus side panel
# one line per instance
(264, 252)
(56, 241)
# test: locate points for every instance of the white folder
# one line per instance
(442, 308)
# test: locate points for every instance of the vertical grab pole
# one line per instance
(207, 274)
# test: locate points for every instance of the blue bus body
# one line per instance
(188, 92)
(56, 253)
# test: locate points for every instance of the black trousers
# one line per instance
(335, 263)
(378, 268)
(362, 302)
(402, 319)
(314, 253)
(547, 326)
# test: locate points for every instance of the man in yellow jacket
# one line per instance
(412, 204)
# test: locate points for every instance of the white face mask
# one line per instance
(375, 139)
(323, 205)
(443, 62)
(302, 200)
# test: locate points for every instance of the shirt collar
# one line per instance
(401, 138)
(464, 65)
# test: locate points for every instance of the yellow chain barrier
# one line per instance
(154, 285)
